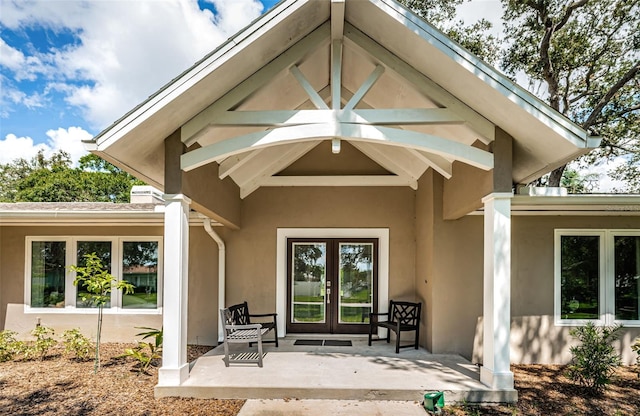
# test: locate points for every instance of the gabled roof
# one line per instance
(370, 72)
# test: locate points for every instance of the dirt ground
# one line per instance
(60, 385)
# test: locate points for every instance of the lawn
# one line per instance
(60, 385)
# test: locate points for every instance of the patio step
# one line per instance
(358, 372)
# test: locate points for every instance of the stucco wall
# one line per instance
(251, 251)
(117, 327)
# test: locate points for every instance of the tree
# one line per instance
(581, 56)
(584, 57)
(55, 180)
(98, 284)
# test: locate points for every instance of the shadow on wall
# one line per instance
(537, 340)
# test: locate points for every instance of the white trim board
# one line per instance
(382, 234)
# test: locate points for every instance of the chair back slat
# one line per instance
(407, 313)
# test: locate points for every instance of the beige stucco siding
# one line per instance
(251, 251)
(117, 327)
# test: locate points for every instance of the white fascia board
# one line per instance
(196, 73)
(512, 91)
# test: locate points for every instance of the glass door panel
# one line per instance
(355, 282)
(309, 276)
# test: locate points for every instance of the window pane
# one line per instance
(309, 279)
(47, 274)
(140, 268)
(627, 275)
(580, 277)
(356, 282)
(103, 250)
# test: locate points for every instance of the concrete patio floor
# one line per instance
(358, 372)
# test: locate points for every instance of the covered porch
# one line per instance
(356, 372)
(341, 120)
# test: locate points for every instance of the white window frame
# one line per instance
(606, 300)
(70, 292)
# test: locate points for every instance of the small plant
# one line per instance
(9, 345)
(146, 353)
(636, 348)
(76, 343)
(43, 343)
(98, 283)
(594, 360)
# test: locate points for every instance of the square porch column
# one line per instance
(496, 372)
(175, 369)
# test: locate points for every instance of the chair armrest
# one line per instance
(262, 315)
(378, 313)
(250, 326)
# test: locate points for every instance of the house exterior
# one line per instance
(332, 156)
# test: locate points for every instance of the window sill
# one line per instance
(91, 311)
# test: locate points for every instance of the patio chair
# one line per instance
(240, 316)
(240, 334)
(402, 317)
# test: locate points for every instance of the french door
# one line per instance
(331, 284)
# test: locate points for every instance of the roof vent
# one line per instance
(145, 194)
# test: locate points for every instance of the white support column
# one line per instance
(175, 369)
(496, 372)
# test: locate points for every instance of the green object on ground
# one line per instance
(433, 401)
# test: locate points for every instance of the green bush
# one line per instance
(636, 348)
(146, 353)
(9, 345)
(43, 343)
(594, 360)
(76, 343)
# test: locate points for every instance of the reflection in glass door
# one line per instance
(331, 285)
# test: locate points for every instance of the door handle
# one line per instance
(328, 295)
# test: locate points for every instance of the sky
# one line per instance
(70, 68)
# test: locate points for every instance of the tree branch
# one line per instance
(631, 74)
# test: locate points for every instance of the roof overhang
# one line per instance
(331, 61)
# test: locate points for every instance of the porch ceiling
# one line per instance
(368, 72)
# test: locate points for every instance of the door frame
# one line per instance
(382, 234)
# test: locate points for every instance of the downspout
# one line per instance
(221, 270)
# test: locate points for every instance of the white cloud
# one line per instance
(69, 140)
(127, 49)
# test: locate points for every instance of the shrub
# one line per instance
(594, 360)
(636, 347)
(43, 343)
(146, 353)
(76, 343)
(9, 345)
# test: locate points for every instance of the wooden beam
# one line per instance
(394, 116)
(393, 159)
(191, 129)
(336, 73)
(235, 162)
(375, 134)
(345, 180)
(365, 87)
(437, 163)
(315, 98)
(421, 82)
(337, 19)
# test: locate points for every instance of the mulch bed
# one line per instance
(60, 385)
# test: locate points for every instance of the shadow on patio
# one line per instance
(356, 372)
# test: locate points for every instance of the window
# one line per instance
(597, 277)
(49, 281)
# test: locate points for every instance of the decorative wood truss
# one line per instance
(404, 141)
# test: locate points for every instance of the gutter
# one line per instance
(221, 269)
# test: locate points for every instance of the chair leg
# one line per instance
(388, 335)
(226, 354)
(417, 336)
(259, 350)
(398, 342)
(370, 333)
(275, 331)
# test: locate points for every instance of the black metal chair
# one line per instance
(240, 316)
(402, 317)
